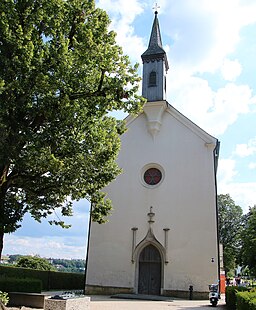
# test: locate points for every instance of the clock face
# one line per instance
(152, 176)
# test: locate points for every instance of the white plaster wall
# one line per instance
(183, 202)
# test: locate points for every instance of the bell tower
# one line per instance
(155, 66)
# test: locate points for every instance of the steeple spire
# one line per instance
(155, 42)
(155, 65)
(155, 47)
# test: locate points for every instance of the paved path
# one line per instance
(107, 303)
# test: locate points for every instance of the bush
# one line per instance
(246, 300)
(20, 285)
(4, 298)
(231, 296)
(25, 273)
(51, 280)
(66, 281)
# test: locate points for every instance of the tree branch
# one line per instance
(99, 92)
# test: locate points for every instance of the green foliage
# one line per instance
(66, 281)
(61, 72)
(248, 237)
(20, 285)
(51, 280)
(4, 298)
(13, 258)
(246, 300)
(69, 265)
(231, 296)
(230, 227)
(23, 273)
(60, 264)
(34, 262)
(230, 274)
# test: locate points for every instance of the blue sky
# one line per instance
(211, 48)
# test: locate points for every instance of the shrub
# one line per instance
(25, 273)
(51, 280)
(246, 300)
(231, 296)
(66, 280)
(20, 285)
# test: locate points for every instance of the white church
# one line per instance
(161, 238)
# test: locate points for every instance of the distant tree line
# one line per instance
(237, 234)
(39, 263)
(69, 265)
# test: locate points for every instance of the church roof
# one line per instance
(155, 42)
(155, 49)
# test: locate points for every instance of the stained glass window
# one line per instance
(152, 176)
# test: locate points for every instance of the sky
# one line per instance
(211, 50)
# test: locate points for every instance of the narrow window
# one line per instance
(152, 79)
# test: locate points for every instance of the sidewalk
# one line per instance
(108, 303)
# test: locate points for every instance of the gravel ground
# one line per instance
(108, 303)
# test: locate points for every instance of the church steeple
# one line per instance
(155, 66)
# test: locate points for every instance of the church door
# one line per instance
(149, 271)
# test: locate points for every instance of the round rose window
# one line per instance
(152, 176)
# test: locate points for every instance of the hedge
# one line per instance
(20, 285)
(231, 296)
(246, 300)
(51, 280)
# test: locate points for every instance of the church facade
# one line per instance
(161, 238)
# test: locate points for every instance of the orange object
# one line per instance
(222, 283)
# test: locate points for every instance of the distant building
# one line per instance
(162, 235)
(4, 259)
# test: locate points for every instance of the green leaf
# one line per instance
(61, 72)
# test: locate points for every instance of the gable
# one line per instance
(155, 113)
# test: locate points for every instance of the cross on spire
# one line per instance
(156, 7)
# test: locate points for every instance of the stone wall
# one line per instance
(80, 303)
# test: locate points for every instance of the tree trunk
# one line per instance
(1, 241)
(2, 306)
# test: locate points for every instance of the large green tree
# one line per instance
(61, 72)
(35, 262)
(248, 237)
(230, 227)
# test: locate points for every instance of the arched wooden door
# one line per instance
(149, 271)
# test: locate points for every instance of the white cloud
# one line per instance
(122, 8)
(244, 150)
(205, 32)
(42, 239)
(243, 193)
(252, 166)
(54, 247)
(229, 102)
(226, 171)
(231, 69)
(123, 14)
(212, 110)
